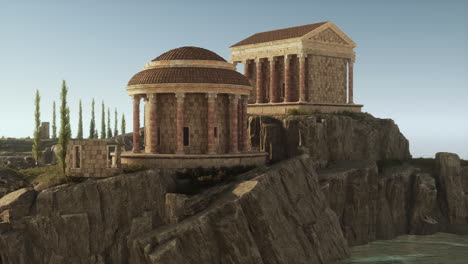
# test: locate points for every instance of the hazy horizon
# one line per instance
(411, 59)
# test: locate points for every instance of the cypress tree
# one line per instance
(109, 129)
(54, 123)
(103, 122)
(36, 149)
(80, 122)
(123, 124)
(116, 131)
(65, 130)
(92, 125)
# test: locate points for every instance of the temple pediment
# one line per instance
(329, 33)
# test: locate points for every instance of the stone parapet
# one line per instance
(283, 108)
(175, 161)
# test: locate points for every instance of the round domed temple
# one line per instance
(195, 112)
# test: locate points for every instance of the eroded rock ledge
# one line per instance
(271, 215)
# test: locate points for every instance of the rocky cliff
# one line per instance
(270, 215)
(306, 209)
(400, 199)
(328, 137)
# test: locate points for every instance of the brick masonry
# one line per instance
(196, 117)
(94, 161)
(166, 105)
(327, 79)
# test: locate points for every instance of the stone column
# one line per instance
(274, 95)
(350, 82)
(302, 78)
(244, 121)
(136, 123)
(211, 122)
(153, 130)
(260, 91)
(287, 79)
(246, 69)
(180, 123)
(234, 104)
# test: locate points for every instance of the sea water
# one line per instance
(440, 248)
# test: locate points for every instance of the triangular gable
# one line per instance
(329, 33)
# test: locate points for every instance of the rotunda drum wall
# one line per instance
(195, 119)
(222, 138)
(166, 116)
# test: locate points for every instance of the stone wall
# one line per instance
(326, 79)
(93, 159)
(195, 118)
(222, 122)
(166, 118)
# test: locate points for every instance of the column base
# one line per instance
(180, 152)
(136, 151)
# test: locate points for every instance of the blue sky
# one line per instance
(411, 64)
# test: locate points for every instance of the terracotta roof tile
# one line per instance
(279, 34)
(189, 75)
(189, 53)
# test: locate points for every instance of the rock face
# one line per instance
(328, 137)
(270, 215)
(399, 200)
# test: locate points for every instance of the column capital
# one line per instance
(287, 58)
(302, 55)
(272, 58)
(211, 97)
(152, 98)
(180, 97)
(136, 97)
(247, 61)
(258, 60)
(235, 63)
(234, 98)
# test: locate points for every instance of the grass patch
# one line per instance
(193, 181)
(46, 176)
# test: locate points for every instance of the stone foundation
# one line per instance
(175, 161)
(283, 108)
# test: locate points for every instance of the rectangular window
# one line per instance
(110, 150)
(186, 136)
(77, 157)
(159, 136)
(215, 132)
(282, 90)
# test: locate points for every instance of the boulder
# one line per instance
(17, 204)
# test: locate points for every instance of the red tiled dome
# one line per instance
(213, 70)
(189, 75)
(189, 53)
